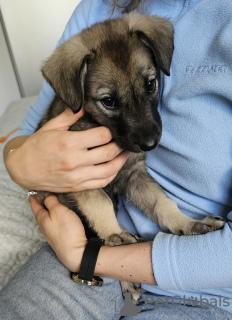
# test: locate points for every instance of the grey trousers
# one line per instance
(42, 290)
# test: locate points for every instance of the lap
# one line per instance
(43, 289)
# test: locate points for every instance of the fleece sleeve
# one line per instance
(194, 262)
(86, 13)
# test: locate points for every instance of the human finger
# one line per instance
(99, 171)
(108, 169)
(95, 184)
(63, 121)
(52, 204)
(96, 176)
(39, 211)
(99, 155)
(94, 137)
(92, 177)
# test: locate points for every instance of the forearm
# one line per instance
(128, 262)
(194, 262)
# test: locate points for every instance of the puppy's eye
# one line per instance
(150, 85)
(108, 103)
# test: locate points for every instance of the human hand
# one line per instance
(62, 229)
(65, 233)
(57, 160)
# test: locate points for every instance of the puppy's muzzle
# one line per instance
(144, 141)
(149, 145)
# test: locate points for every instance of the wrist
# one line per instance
(88, 264)
(73, 259)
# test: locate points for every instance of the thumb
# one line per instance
(63, 121)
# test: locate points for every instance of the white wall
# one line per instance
(34, 28)
(8, 86)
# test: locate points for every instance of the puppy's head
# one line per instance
(112, 69)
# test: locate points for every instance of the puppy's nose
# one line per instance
(149, 145)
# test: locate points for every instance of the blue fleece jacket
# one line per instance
(193, 162)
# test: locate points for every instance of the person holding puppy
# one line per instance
(192, 163)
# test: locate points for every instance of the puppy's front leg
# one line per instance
(98, 208)
(149, 197)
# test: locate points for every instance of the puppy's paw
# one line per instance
(210, 223)
(124, 237)
(134, 288)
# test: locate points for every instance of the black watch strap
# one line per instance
(89, 259)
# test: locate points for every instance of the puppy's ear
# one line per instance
(157, 34)
(65, 71)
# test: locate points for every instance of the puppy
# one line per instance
(112, 69)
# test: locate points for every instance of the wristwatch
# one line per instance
(88, 263)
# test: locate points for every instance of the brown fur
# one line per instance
(119, 59)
